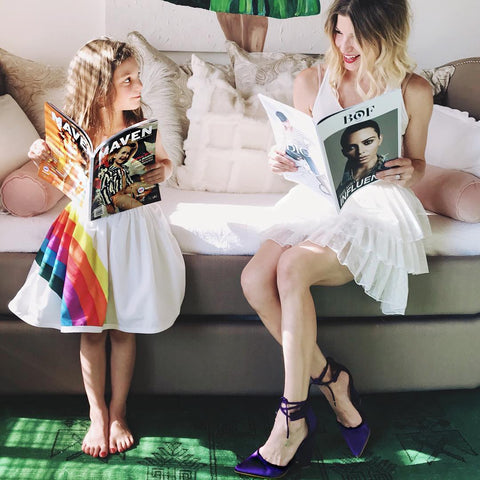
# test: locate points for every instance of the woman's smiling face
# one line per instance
(346, 42)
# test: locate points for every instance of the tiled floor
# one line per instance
(426, 435)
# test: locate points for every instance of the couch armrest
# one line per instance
(463, 91)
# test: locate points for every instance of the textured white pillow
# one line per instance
(32, 84)
(166, 95)
(270, 73)
(439, 78)
(16, 135)
(453, 140)
(228, 138)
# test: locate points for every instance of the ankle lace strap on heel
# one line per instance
(355, 437)
(335, 370)
(293, 410)
(259, 467)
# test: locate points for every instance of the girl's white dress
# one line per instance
(123, 272)
(378, 234)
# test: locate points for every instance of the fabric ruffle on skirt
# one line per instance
(378, 235)
(122, 272)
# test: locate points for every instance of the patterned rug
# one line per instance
(425, 435)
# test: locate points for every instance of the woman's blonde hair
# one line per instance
(89, 84)
(381, 29)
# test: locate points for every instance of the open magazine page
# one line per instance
(68, 167)
(295, 132)
(345, 150)
(358, 141)
(118, 165)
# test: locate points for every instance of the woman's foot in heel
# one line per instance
(336, 384)
(290, 442)
(356, 437)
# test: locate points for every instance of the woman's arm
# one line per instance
(418, 100)
(419, 103)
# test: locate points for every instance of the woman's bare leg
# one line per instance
(259, 283)
(122, 362)
(288, 311)
(305, 265)
(93, 363)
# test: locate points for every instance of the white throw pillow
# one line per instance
(32, 84)
(270, 73)
(453, 140)
(16, 135)
(166, 95)
(228, 138)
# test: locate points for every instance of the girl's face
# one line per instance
(128, 86)
(362, 147)
(346, 43)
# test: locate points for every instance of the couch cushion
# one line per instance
(453, 193)
(453, 140)
(270, 73)
(439, 79)
(16, 135)
(228, 138)
(31, 84)
(25, 194)
(166, 96)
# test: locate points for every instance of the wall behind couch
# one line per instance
(52, 30)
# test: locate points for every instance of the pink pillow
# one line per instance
(24, 194)
(453, 193)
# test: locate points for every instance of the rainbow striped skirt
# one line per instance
(122, 272)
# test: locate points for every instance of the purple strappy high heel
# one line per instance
(256, 466)
(355, 437)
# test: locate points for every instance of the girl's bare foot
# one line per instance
(95, 442)
(121, 437)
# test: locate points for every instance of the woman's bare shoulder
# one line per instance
(306, 86)
(418, 98)
(311, 77)
(418, 88)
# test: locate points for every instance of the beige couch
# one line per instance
(218, 346)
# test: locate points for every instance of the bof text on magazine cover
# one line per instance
(106, 180)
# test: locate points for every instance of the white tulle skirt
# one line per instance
(378, 235)
(123, 272)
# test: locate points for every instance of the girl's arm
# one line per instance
(162, 169)
(419, 104)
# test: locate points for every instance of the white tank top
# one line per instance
(327, 103)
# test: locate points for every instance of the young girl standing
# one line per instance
(115, 276)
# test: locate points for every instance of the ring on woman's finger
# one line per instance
(398, 176)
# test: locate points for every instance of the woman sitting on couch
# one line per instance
(376, 240)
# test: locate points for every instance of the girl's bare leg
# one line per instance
(93, 363)
(122, 362)
(277, 284)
